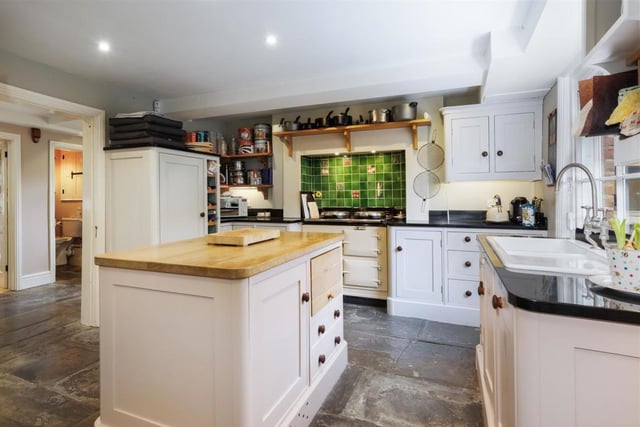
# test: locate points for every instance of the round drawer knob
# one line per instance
(201, 214)
(330, 296)
(467, 263)
(499, 153)
(485, 154)
(481, 288)
(337, 340)
(306, 297)
(321, 359)
(467, 239)
(399, 249)
(336, 314)
(468, 293)
(496, 302)
(320, 329)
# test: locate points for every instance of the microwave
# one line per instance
(233, 207)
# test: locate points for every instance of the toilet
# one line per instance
(70, 243)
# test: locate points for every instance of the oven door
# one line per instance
(361, 272)
(361, 241)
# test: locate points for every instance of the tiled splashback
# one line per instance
(356, 180)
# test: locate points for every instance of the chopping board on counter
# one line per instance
(242, 237)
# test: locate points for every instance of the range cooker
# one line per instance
(356, 215)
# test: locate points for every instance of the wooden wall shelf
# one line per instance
(287, 136)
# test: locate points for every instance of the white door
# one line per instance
(3, 216)
(183, 197)
(470, 145)
(418, 257)
(515, 148)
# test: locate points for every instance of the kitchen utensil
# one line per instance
(406, 111)
(292, 125)
(343, 119)
(515, 213)
(328, 120)
(430, 156)
(426, 185)
(379, 115)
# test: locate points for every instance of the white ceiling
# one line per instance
(208, 58)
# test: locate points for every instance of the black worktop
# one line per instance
(565, 295)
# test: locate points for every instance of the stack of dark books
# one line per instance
(146, 128)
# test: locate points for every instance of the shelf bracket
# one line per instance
(347, 140)
(414, 132)
(287, 140)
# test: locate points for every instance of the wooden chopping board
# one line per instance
(243, 236)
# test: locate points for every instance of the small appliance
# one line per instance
(233, 207)
(515, 213)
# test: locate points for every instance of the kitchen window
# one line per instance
(618, 187)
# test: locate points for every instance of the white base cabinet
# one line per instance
(544, 370)
(157, 195)
(434, 272)
(493, 142)
(179, 350)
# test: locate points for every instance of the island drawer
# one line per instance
(463, 264)
(325, 348)
(320, 300)
(324, 320)
(326, 271)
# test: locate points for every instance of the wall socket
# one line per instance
(156, 106)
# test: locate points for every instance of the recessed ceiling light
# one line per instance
(271, 40)
(104, 46)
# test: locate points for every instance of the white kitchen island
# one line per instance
(193, 334)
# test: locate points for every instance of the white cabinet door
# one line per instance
(487, 338)
(183, 203)
(418, 265)
(470, 145)
(515, 148)
(504, 347)
(279, 325)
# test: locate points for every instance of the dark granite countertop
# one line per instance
(454, 219)
(565, 295)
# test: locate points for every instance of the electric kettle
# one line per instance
(515, 213)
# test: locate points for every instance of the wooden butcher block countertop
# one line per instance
(197, 258)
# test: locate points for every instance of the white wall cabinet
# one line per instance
(493, 142)
(156, 195)
(544, 370)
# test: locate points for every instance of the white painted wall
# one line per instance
(452, 196)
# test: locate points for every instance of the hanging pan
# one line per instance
(426, 185)
(431, 155)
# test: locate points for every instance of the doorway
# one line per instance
(65, 210)
(4, 218)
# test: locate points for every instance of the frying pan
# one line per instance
(426, 185)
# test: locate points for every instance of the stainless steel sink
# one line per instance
(549, 256)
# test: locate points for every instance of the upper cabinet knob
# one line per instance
(201, 214)
(499, 153)
(485, 154)
(467, 263)
(467, 239)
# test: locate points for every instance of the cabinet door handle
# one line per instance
(467, 239)
(337, 340)
(399, 249)
(499, 153)
(467, 263)
(481, 288)
(468, 293)
(336, 314)
(321, 359)
(485, 154)
(201, 214)
(496, 302)
(306, 297)
(320, 329)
